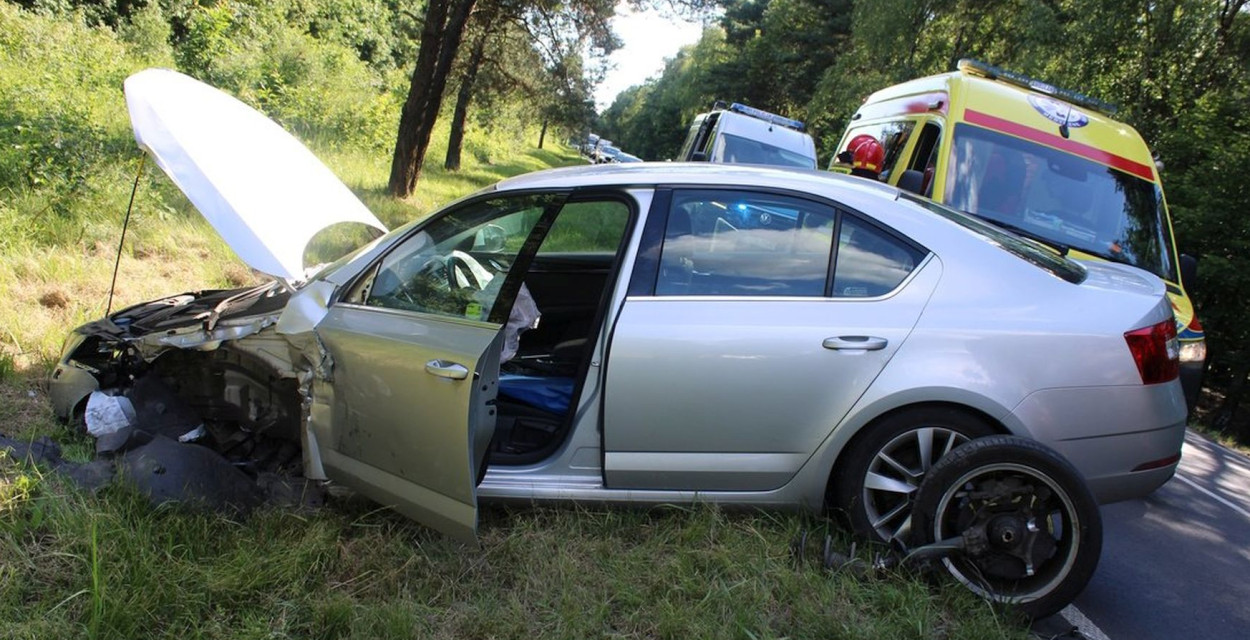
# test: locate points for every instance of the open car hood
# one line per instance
(263, 191)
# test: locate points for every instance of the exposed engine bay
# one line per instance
(201, 369)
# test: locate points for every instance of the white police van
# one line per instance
(746, 135)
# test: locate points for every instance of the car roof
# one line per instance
(695, 173)
(875, 198)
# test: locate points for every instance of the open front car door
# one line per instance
(403, 404)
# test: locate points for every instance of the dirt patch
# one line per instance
(55, 299)
(238, 275)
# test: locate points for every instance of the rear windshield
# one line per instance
(1064, 198)
(746, 151)
(1009, 242)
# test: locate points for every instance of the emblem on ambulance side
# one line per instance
(1058, 112)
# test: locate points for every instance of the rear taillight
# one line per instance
(1156, 351)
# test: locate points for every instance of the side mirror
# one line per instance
(490, 239)
(698, 156)
(1189, 273)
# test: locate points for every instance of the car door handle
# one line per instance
(446, 369)
(855, 343)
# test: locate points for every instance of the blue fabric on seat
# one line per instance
(552, 394)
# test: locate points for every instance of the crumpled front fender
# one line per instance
(68, 388)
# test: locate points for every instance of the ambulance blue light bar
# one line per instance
(968, 65)
(761, 114)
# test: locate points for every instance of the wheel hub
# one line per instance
(1000, 528)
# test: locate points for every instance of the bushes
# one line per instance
(317, 88)
(59, 110)
(66, 150)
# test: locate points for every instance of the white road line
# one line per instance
(1082, 624)
(1213, 495)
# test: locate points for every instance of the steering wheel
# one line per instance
(462, 265)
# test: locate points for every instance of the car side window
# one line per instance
(871, 262)
(456, 265)
(737, 243)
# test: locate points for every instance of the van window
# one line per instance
(740, 150)
(1069, 200)
(924, 156)
(698, 139)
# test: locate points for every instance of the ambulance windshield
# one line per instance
(1075, 202)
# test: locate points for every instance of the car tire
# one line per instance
(1031, 527)
(870, 508)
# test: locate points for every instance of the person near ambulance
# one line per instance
(867, 159)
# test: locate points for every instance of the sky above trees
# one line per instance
(649, 38)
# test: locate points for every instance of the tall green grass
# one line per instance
(112, 567)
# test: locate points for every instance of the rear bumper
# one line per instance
(1108, 432)
(1108, 462)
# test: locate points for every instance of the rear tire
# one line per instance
(877, 476)
(1039, 528)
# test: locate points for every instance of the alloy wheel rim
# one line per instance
(895, 474)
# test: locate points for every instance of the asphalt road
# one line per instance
(1177, 563)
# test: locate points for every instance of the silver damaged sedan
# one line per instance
(644, 333)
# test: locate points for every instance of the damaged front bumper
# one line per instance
(206, 363)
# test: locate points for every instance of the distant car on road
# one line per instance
(606, 153)
(588, 147)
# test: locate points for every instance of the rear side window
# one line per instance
(871, 262)
(732, 243)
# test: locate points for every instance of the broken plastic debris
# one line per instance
(106, 414)
(193, 435)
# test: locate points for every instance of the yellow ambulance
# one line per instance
(1048, 163)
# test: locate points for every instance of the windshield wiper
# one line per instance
(1107, 255)
(1040, 239)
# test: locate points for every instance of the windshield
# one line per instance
(746, 151)
(1068, 200)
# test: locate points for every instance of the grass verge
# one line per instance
(109, 566)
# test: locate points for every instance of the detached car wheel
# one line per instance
(1029, 529)
(877, 477)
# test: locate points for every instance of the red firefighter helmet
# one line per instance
(849, 151)
(868, 155)
(858, 140)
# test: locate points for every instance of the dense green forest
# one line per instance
(1179, 70)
